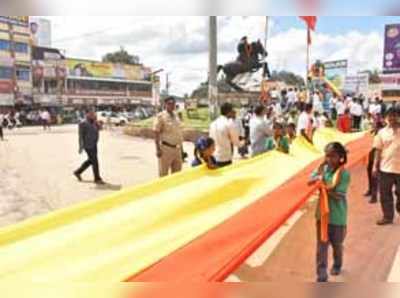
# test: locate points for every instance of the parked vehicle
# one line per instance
(117, 119)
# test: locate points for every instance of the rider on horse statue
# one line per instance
(244, 50)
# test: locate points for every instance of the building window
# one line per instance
(21, 47)
(4, 45)
(23, 74)
(6, 73)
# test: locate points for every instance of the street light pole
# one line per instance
(212, 68)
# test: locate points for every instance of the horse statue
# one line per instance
(248, 61)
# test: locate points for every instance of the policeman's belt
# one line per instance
(170, 145)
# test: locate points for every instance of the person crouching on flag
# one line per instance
(331, 214)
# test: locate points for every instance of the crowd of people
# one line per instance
(275, 126)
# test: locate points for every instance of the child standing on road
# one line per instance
(331, 213)
(203, 153)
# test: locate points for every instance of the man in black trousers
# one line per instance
(88, 139)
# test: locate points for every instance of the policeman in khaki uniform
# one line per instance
(169, 139)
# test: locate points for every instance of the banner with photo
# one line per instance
(15, 20)
(335, 72)
(84, 68)
(358, 84)
(391, 61)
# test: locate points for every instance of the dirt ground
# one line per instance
(36, 169)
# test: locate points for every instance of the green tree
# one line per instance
(121, 56)
(202, 90)
(288, 78)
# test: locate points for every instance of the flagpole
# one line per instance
(308, 60)
(266, 31)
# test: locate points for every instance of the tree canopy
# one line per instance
(121, 56)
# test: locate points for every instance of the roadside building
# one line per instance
(15, 61)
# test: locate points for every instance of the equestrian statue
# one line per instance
(250, 60)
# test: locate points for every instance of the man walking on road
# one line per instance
(387, 164)
(169, 139)
(2, 118)
(88, 139)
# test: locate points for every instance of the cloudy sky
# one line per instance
(180, 45)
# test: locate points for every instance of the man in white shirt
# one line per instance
(317, 103)
(387, 164)
(260, 130)
(305, 125)
(375, 108)
(45, 117)
(224, 132)
(340, 107)
(356, 111)
(292, 98)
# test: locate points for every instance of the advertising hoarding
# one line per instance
(391, 60)
(84, 68)
(358, 84)
(335, 72)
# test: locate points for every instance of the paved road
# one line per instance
(369, 250)
(36, 169)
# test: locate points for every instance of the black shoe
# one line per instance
(320, 279)
(368, 194)
(78, 176)
(335, 271)
(99, 182)
(384, 222)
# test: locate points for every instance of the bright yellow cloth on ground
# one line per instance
(112, 238)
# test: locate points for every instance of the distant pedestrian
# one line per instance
(88, 139)
(45, 117)
(2, 121)
(356, 111)
(331, 215)
(169, 139)
(387, 164)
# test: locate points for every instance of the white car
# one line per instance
(115, 118)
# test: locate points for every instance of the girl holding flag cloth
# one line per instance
(331, 214)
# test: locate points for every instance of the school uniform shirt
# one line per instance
(388, 140)
(260, 130)
(225, 134)
(304, 122)
(356, 110)
(198, 162)
(337, 206)
(340, 108)
(281, 145)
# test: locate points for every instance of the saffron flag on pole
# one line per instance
(311, 22)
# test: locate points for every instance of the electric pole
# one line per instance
(212, 68)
